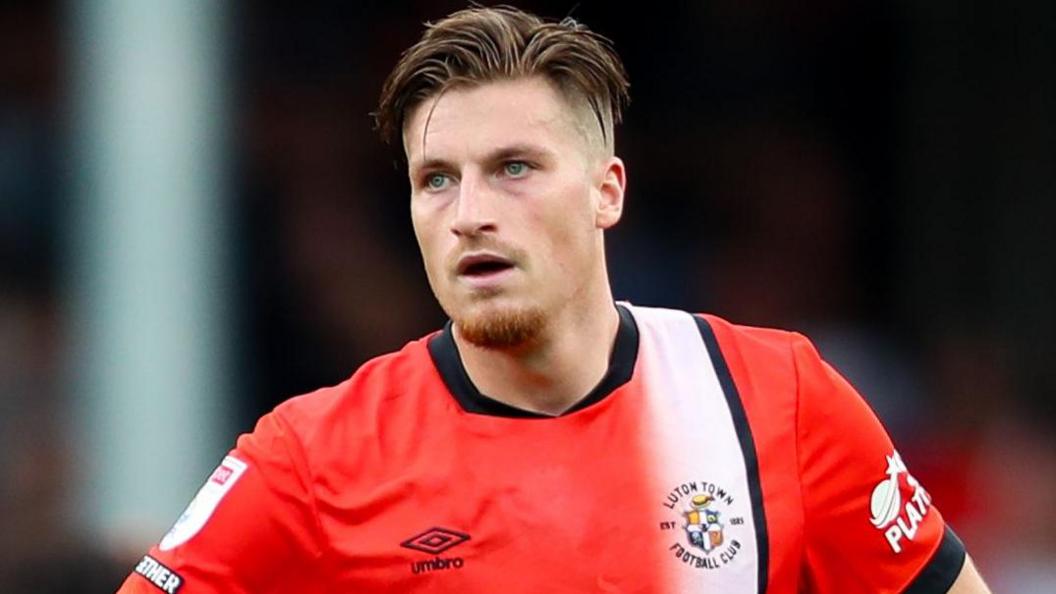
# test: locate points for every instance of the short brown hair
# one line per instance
(480, 45)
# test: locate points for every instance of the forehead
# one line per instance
(470, 121)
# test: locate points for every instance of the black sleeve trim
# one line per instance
(942, 569)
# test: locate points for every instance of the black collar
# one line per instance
(448, 362)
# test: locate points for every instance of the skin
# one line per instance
(515, 170)
(504, 168)
(969, 581)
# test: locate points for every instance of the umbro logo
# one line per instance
(433, 542)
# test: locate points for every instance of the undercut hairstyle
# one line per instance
(480, 45)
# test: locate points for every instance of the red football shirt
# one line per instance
(711, 458)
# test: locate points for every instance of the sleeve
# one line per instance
(251, 528)
(869, 525)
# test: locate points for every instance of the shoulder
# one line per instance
(381, 386)
(782, 361)
(753, 341)
(758, 350)
(745, 350)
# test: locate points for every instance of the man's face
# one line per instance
(508, 202)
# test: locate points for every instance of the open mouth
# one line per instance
(482, 265)
(485, 268)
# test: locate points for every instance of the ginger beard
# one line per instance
(486, 319)
(492, 326)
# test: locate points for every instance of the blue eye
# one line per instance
(435, 181)
(516, 168)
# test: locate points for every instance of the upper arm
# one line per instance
(969, 581)
(248, 525)
(870, 526)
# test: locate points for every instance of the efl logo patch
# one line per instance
(221, 475)
(156, 573)
(204, 503)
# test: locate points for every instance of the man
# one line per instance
(549, 439)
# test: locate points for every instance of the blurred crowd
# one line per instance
(876, 177)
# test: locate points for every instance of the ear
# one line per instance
(611, 187)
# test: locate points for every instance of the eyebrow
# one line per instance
(513, 151)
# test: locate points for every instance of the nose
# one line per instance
(474, 209)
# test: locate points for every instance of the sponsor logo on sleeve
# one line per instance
(162, 577)
(204, 503)
(898, 521)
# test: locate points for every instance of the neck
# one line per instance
(570, 358)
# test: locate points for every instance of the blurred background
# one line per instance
(197, 222)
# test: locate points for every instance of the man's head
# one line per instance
(507, 125)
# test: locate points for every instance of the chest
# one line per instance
(619, 506)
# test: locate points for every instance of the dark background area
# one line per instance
(878, 176)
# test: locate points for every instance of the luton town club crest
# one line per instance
(703, 523)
